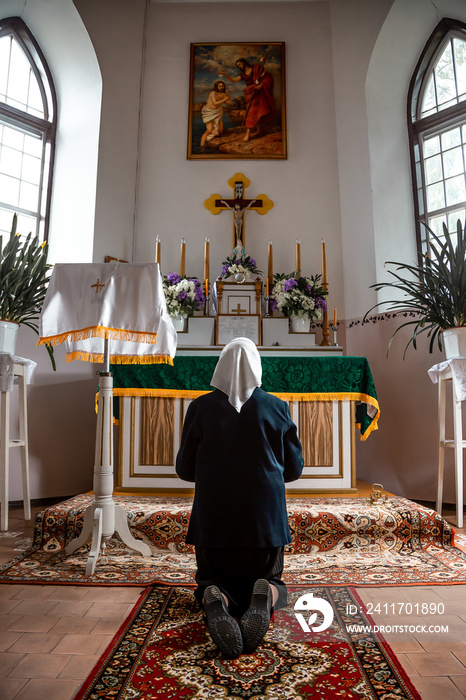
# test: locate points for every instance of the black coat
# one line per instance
(239, 463)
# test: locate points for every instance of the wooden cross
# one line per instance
(98, 285)
(238, 205)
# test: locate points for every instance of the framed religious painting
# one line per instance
(237, 101)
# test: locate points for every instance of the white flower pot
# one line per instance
(300, 324)
(180, 323)
(454, 340)
(8, 335)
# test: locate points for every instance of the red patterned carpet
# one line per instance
(336, 541)
(164, 651)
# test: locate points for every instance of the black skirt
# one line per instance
(235, 570)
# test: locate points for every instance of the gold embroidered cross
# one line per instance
(98, 285)
(239, 310)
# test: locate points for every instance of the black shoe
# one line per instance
(223, 628)
(255, 621)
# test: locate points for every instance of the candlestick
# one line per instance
(207, 298)
(325, 325)
(270, 263)
(206, 259)
(157, 250)
(298, 256)
(183, 257)
(334, 329)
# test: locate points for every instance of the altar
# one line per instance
(332, 398)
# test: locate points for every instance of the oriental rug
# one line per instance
(336, 541)
(163, 650)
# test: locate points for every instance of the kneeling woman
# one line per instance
(239, 445)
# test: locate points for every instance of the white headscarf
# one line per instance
(238, 371)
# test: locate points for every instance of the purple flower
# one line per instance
(308, 289)
(173, 278)
(272, 303)
(182, 296)
(321, 303)
(225, 269)
(289, 284)
(199, 295)
(252, 262)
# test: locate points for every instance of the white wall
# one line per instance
(116, 29)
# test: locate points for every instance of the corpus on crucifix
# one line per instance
(238, 218)
(238, 205)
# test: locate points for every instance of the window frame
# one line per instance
(46, 126)
(433, 123)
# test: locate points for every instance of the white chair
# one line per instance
(19, 371)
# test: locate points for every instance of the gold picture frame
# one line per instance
(246, 117)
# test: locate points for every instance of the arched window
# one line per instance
(27, 130)
(437, 129)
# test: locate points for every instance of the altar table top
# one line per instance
(289, 378)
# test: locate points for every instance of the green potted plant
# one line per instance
(23, 284)
(435, 291)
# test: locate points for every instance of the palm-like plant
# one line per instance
(23, 279)
(434, 290)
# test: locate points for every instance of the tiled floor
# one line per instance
(51, 636)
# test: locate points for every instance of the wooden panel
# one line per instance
(316, 432)
(157, 431)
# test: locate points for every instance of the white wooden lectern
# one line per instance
(94, 306)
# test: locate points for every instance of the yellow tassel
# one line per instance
(162, 393)
(99, 332)
(119, 359)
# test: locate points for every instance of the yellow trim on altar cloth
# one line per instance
(100, 332)
(119, 359)
(331, 396)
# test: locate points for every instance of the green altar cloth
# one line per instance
(289, 378)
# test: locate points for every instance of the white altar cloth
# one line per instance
(458, 373)
(7, 375)
(125, 303)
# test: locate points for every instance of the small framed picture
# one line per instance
(244, 326)
(237, 101)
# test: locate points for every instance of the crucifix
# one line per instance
(238, 205)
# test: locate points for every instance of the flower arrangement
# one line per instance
(184, 295)
(298, 296)
(244, 265)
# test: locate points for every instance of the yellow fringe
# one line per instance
(99, 332)
(161, 393)
(120, 359)
(191, 394)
